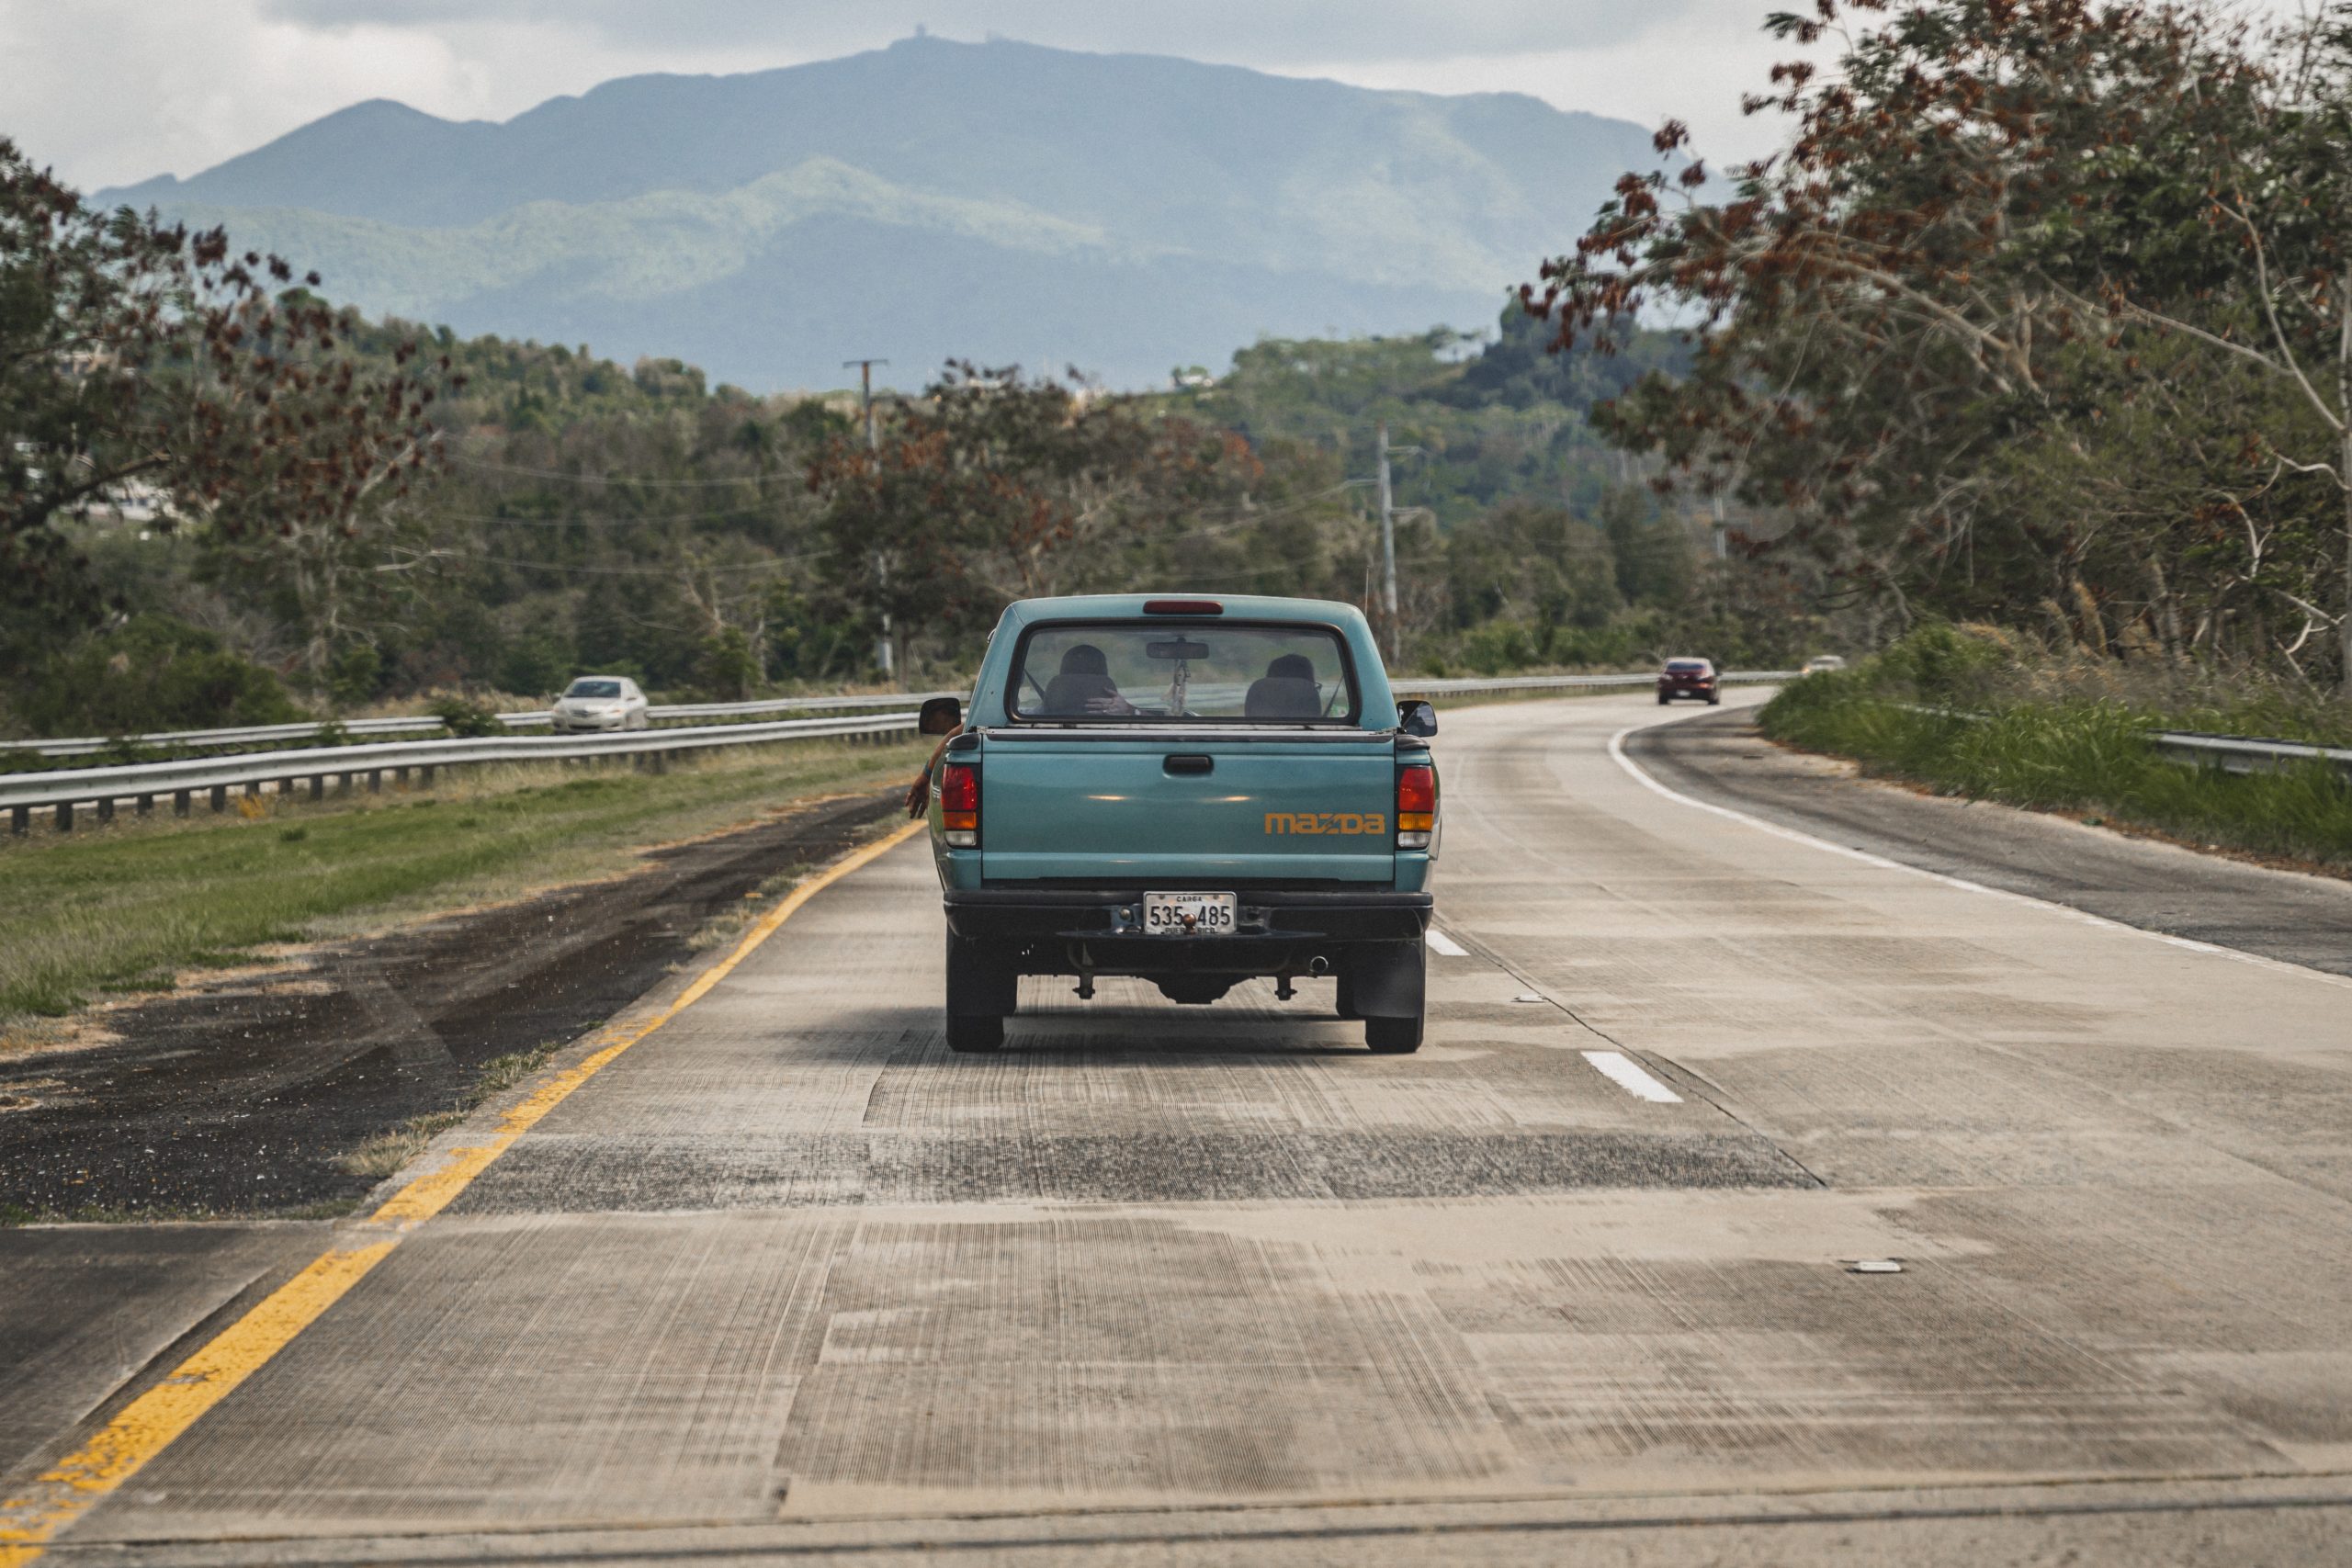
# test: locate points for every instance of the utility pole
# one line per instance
(865, 392)
(886, 653)
(1389, 516)
(1387, 546)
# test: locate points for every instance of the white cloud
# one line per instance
(119, 90)
(1265, 32)
(1693, 66)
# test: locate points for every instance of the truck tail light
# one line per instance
(959, 805)
(1416, 805)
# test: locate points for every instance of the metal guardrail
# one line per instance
(1467, 685)
(259, 735)
(63, 790)
(2241, 754)
(2232, 753)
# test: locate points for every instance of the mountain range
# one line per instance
(999, 202)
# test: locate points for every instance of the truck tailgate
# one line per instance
(1180, 811)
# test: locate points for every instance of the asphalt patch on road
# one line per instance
(592, 1175)
(238, 1099)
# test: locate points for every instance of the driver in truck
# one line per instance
(1084, 684)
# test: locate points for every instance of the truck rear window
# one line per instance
(1126, 673)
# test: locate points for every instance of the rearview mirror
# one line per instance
(1182, 647)
(1415, 717)
(940, 716)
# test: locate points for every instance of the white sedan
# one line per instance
(600, 701)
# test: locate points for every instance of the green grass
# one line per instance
(125, 907)
(2053, 739)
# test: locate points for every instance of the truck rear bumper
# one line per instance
(1107, 916)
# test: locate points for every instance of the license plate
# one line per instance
(1188, 914)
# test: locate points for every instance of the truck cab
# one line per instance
(1197, 790)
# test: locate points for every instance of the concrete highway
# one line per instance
(785, 1281)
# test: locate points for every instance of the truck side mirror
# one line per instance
(940, 716)
(1415, 718)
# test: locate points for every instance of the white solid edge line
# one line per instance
(2189, 944)
(1618, 1069)
(1440, 942)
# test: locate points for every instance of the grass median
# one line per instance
(1969, 712)
(124, 909)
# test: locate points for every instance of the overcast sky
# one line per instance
(112, 91)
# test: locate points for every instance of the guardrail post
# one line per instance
(253, 789)
(20, 820)
(375, 781)
(424, 775)
(318, 786)
(144, 806)
(106, 809)
(180, 802)
(64, 816)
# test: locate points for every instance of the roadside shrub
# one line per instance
(153, 673)
(464, 717)
(726, 670)
(1973, 715)
(535, 665)
(355, 673)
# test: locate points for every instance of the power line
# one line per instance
(493, 466)
(653, 521)
(669, 571)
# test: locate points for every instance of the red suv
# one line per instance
(1687, 678)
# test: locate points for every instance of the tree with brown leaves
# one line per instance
(138, 358)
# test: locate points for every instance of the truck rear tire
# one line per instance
(974, 1032)
(1387, 987)
(981, 989)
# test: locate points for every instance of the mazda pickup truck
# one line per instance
(1196, 790)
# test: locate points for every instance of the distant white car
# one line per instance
(600, 701)
(1821, 662)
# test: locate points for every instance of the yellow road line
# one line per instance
(148, 1425)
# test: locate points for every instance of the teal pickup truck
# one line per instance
(1192, 789)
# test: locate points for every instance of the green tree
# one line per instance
(145, 363)
(2041, 312)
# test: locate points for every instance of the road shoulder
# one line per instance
(1720, 758)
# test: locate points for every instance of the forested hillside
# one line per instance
(585, 514)
(545, 511)
(1000, 201)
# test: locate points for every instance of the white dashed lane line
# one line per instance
(1615, 1066)
(1618, 1069)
